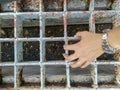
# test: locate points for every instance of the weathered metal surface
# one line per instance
(41, 13)
(72, 18)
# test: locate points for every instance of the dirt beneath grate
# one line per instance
(54, 49)
(6, 86)
(78, 84)
(60, 84)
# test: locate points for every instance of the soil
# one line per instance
(54, 49)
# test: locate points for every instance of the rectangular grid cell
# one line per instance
(53, 5)
(7, 51)
(31, 76)
(99, 29)
(106, 5)
(81, 78)
(54, 31)
(33, 22)
(54, 51)
(109, 78)
(7, 77)
(52, 74)
(28, 49)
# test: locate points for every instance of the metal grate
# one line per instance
(32, 35)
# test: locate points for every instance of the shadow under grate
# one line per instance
(7, 51)
(31, 51)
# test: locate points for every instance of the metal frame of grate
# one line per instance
(41, 15)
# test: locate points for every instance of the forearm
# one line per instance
(114, 37)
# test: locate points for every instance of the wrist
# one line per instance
(106, 45)
(99, 36)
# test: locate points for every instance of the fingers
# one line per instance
(97, 53)
(79, 33)
(78, 63)
(69, 47)
(77, 36)
(70, 57)
(86, 64)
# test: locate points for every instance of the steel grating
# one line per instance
(52, 71)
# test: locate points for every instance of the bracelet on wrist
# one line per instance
(105, 45)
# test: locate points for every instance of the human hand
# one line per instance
(86, 50)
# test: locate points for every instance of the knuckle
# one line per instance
(85, 32)
(78, 32)
(77, 46)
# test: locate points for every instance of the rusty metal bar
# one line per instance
(56, 16)
(36, 39)
(58, 62)
(93, 69)
(18, 52)
(66, 42)
(42, 44)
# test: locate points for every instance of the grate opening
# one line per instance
(53, 5)
(103, 4)
(31, 76)
(54, 50)
(99, 27)
(80, 77)
(7, 77)
(29, 28)
(105, 77)
(77, 5)
(32, 35)
(7, 6)
(30, 32)
(7, 51)
(52, 74)
(32, 21)
(31, 51)
(7, 33)
(75, 19)
(30, 5)
(73, 29)
(54, 31)
(108, 57)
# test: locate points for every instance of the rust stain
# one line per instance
(19, 76)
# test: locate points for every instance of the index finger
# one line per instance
(69, 47)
